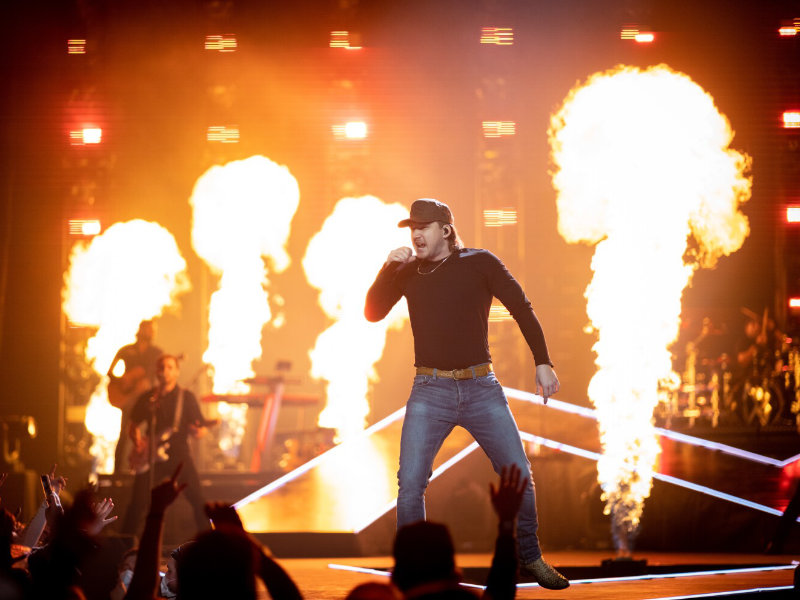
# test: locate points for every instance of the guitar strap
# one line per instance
(176, 422)
(166, 435)
(140, 462)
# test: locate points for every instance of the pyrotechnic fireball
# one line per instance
(342, 261)
(132, 272)
(241, 222)
(644, 172)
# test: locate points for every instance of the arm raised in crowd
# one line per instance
(501, 583)
(48, 510)
(145, 575)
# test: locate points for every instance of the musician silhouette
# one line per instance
(162, 420)
(139, 375)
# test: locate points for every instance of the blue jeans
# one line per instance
(435, 407)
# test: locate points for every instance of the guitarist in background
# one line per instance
(176, 415)
(139, 360)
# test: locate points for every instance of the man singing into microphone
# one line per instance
(449, 290)
(176, 415)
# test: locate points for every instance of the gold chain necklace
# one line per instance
(444, 260)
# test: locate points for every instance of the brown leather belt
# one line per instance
(468, 373)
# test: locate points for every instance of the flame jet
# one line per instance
(241, 220)
(643, 171)
(341, 261)
(131, 272)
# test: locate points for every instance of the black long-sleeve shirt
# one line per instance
(449, 307)
(165, 418)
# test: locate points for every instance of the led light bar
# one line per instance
(498, 36)
(731, 571)
(76, 46)
(667, 433)
(791, 119)
(222, 43)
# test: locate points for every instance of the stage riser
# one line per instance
(568, 499)
(179, 525)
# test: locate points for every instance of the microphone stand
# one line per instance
(151, 430)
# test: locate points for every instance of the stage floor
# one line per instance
(333, 578)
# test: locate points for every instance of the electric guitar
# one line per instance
(139, 460)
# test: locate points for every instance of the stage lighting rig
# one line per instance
(85, 227)
(791, 119)
(637, 35)
(222, 43)
(498, 36)
(76, 46)
(349, 40)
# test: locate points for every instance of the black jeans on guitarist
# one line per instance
(170, 415)
(140, 495)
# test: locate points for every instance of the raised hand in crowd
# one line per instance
(49, 511)
(425, 556)
(506, 496)
(71, 562)
(165, 493)
(101, 511)
(145, 574)
(57, 483)
(506, 499)
(54, 487)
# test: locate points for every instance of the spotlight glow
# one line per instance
(86, 136)
(791, 119)
(352, 130)
(84, 227)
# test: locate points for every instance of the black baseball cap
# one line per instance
(427, 210)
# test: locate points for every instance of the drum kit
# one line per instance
(757, 387)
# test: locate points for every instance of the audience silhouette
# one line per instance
(62, 554)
